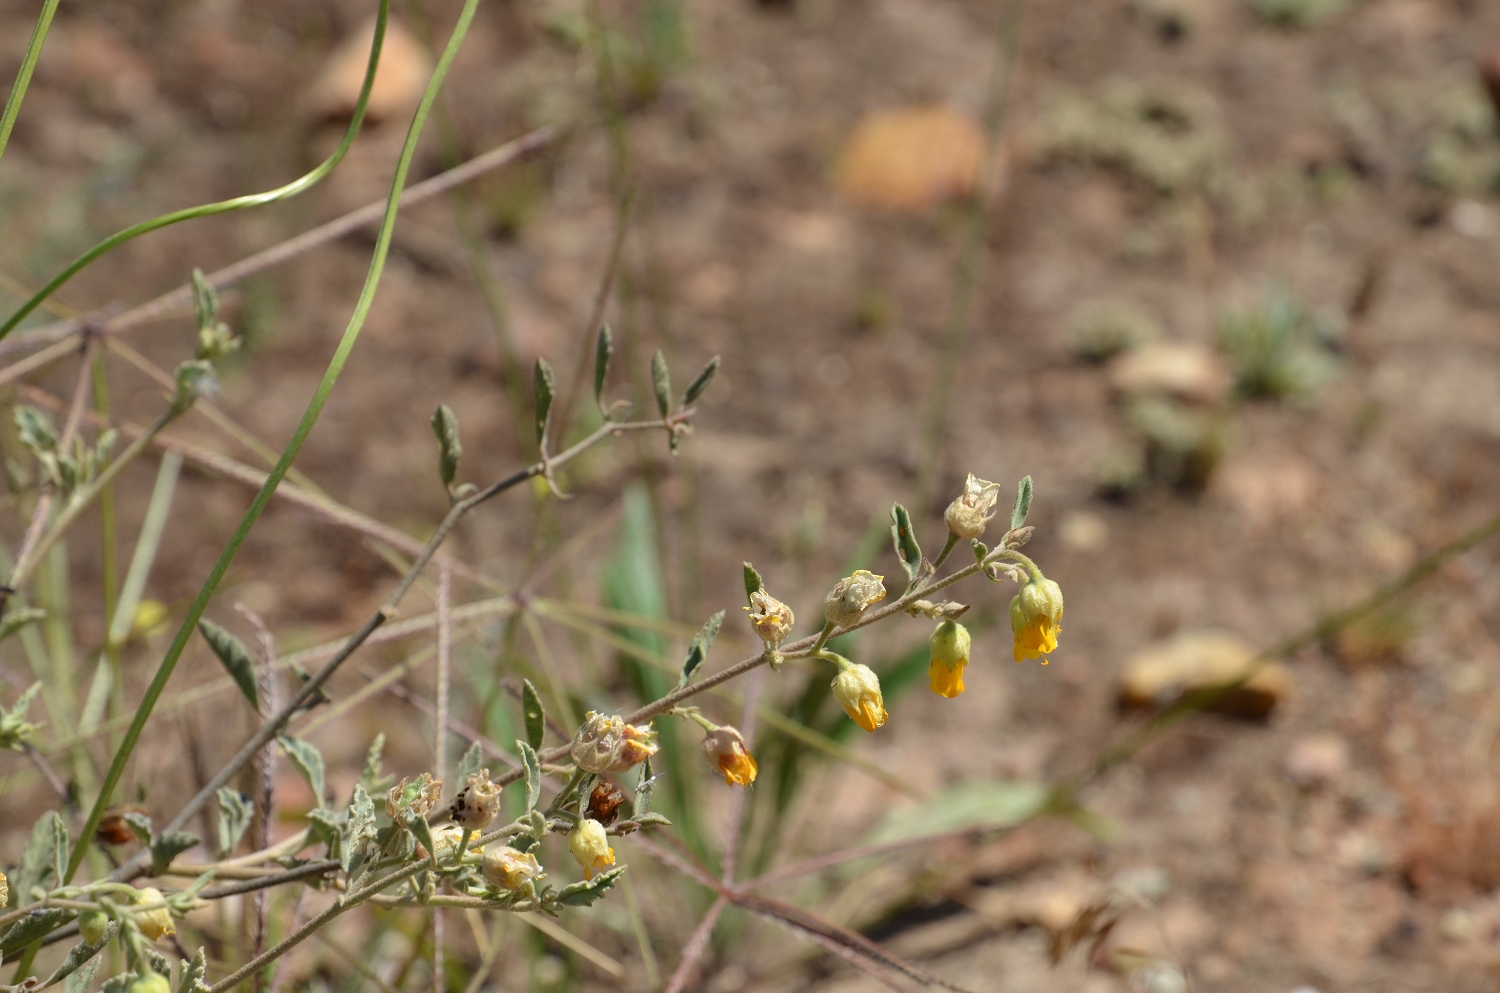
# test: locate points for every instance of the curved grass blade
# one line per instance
(23, 77)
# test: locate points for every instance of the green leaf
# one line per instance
(36, 924)
(652, 819)
(81, 953)
(51, 851)
(905, 540)
(983, 803)
(546, 387)
(450, 449)
(374, 779)
(471, 763)
(644, 786)
(417, 825)
(15, 620)
(190, 977)
(140, 825)
(533, 774)
(700, 382)
(118, 984)
(235, 657)
(603, 349)
(753, 583)
(661, 382)
(35, 430)
(235, 812)
(536, 717)
(80, 982)
(358, 829)
(1023, 503)
(308, 760)
(205, 300)
(980, 550)
(698, 650)
(167, 847)
(327, 826)
(587, 893)
(15, 729)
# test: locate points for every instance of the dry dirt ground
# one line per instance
(1375, 870)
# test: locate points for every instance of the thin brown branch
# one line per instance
(696, 944)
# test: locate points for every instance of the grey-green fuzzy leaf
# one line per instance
(661, 382)
(235, 657)
(536, 717)
(308, 760)
(604, 348)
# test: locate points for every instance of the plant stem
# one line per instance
(23, 78)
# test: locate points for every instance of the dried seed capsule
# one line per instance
(604, 802)
(414, 797)
(507, 869)
(851, 596)
(968, 515)
(606, 744)
(477, 804)
(771, 619)
(590, 846)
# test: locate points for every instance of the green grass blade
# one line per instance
(295, 187)
(23, 78)
(304, 428)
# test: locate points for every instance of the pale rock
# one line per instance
(1188, 372)
(400, 79)
(1197, 660)
(1317, 761)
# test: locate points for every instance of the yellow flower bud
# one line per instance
(726, 751)
(771, 618)
(1036, 619)
(967, 516)
(155, 923)
(152, 982)
(606, 744)
(507, 869)
(857, 689)
(851, 596)
(4, 891)
(949, 646)
(445, 839)
(590, 846)
(477, 804)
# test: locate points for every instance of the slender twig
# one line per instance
(693, 950)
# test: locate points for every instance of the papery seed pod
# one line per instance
(606, 744)
(477, 804)
(112, 827)
(771, 619)
(155, 923)
(968, 515)
(446, 840)
(604, 802)
(857, 689)
(846, 603)
(507, 869)
(949, 647)
(1036, 619)
(726, 752)
(590, 846)
(413, 797)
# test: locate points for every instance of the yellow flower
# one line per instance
(606, 744)
(851, 596)
(4, 890)
(967, 516)
(1036, 619)
(949, 645)
(771, 618)
(590, 846)
(725, 748)
(507, 869)
(857, 689)
(155, 923)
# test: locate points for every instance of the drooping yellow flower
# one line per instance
(726, 751)
(1036, 619)
(949, 646)
(155, 923)
(846, 603)
(968, 515)
(590, 846)
(508, 869)
(857, 689)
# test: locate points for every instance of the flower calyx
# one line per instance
(606, 744)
